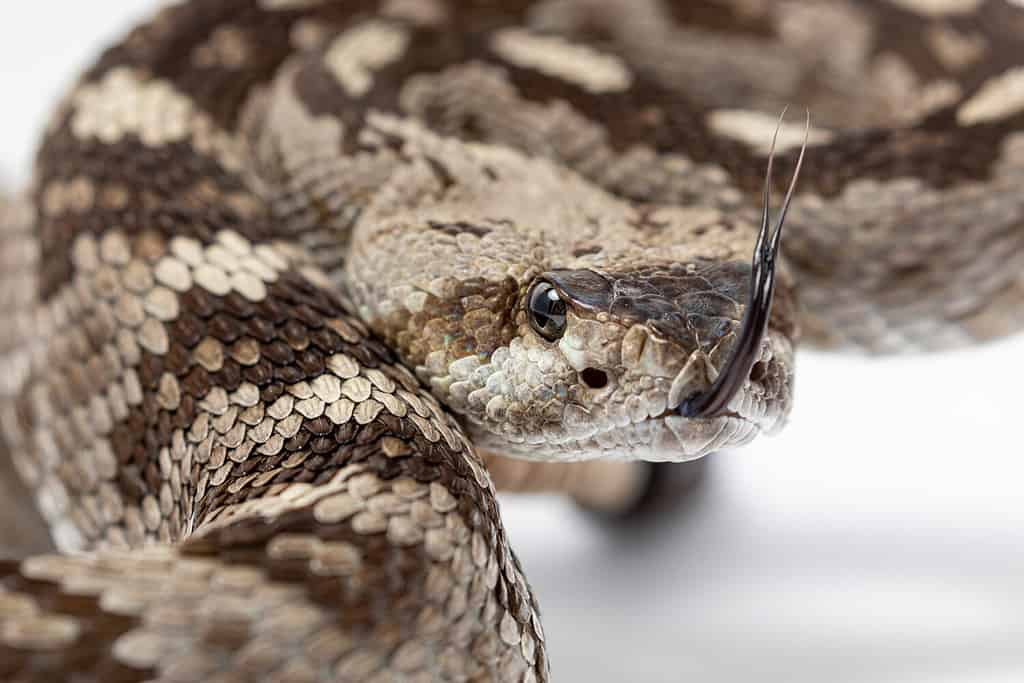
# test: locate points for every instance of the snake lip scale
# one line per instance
(299, 285)
(751, 411)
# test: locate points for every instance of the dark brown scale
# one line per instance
(199, 302)
(152, 476)
(295, 334)
(309, 477)
(377, 430)
(311, 363)
(372, 353)
(229, 377)
(188, 330)
(284, 477)
(260, 374)
(271, 311)
(326, 303)
(388, 469)
(196, 383)
(321, 445)
(305, 314)
(345, 434)
(297, 442)
(164, 429)
(260, 330)
(424, 473)
(246, 467)
(271, 392)
(131, 483)
(178, 360)
(224, 328)
(286, 291)
(278, 353)
(315, 463)
(326, 341)
(237, 306)
(151, 369)
(123, 439)
(183, 416)
(288, 374)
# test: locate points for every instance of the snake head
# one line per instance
(598, 358)
(625, 333)
(607, 361)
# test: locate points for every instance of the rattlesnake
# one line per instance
(294, 275)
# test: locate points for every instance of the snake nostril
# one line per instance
(594, 378)
(759, 372)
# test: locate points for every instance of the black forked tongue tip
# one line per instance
(745, 352)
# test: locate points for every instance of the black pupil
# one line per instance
(547, 311)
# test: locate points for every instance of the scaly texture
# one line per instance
(284, 263)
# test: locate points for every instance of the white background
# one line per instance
(879, 538)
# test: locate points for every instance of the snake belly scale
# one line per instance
(296, 280)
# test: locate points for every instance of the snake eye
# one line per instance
(547, 311)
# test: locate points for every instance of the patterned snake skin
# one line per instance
(295, 276)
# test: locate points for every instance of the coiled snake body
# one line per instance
(286, 263)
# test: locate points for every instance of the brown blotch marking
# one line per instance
(163, 47)
(586, 251)
(1000, 22)
(429, 50)
(288, 341)
(465, 325)
(901, 34)
(459, 227)
(938, 152)
(172, 191)
(444, 177)
(645, 220)
(721, 18)
(287, 331)
(321, 93)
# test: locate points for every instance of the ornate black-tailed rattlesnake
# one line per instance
(268, 240)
